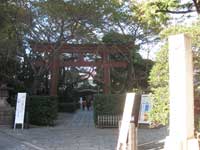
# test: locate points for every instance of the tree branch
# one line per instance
(175, 12)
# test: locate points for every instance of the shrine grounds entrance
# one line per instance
(77, 131)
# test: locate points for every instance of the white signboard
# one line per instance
(144, 109)
(20, 109)
(126, 118)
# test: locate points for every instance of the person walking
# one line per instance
(88, 103)
(81, 103)
(84, 103)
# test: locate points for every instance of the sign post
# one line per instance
(20, 109)
(131, 113)
(126, 118)
(144, 109)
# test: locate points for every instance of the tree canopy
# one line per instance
(10, 39)
(82, 22)
(160, 8)
(159, 75)
(73, 21)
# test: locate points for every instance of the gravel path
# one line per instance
(75, 132)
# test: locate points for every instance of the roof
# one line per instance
(87, 90)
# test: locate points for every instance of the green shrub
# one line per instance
(68, 96)
(159, 78)
(67, 107)
(105, 104)
(78, 105)
(67, 101)
(42, 110)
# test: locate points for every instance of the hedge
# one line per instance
(68, 96)
(105, 104)
(67, 107)
(43, 110)
(67, 101)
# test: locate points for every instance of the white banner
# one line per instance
(20, 109)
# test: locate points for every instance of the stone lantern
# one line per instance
(6, 111)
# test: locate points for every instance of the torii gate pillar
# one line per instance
(106, 73)
(54, 75)
(181, 127)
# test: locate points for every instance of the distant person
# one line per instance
(88, 103)
(84, 103)
(81, 102)
(91, 102)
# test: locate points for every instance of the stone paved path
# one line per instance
(74, 132)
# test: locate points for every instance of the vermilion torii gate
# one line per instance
(102, 51)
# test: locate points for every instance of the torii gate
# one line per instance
(102, 50)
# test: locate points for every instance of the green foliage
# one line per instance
(67, 107)
(71, 20)
(192, 31)
(105, 104)
(42, 110)
(68, 100)
(136, 75)
(117, 38)
(69, 95)
(63, 21)
(8, 41)
(159, 113)
(159, 77)
(157, 12)
(148, 15)
(159, 74)
(12, 30)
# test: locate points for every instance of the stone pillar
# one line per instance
(181, 127)
(6, 112)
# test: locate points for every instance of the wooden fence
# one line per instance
(108, 120)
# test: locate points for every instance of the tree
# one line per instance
(10, 39)
(161, 8)
(159, 73)
(136, 74)
(159, 13)
(159, 88)
(174, 6)
(59, 22)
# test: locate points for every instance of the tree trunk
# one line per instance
(130, 73)
(35, 86)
